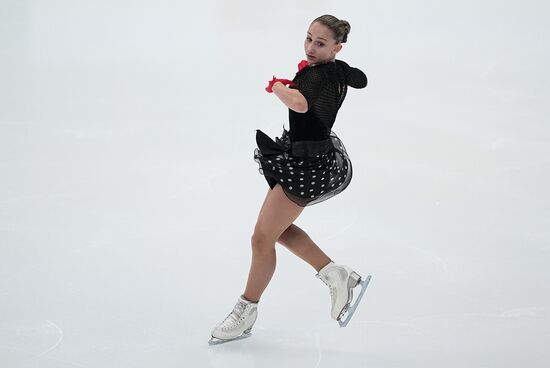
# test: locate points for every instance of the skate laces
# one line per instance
(236, 314)
(330, 287)
(332, 293)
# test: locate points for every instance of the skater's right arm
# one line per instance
(309, 84)
(292, 98)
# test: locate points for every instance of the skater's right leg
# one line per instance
(340, 279)
(299, 243)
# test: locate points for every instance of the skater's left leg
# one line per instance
(276, 215)
(298, 242)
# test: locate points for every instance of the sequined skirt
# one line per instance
(309, 172)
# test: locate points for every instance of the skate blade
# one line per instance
(343, 322)
(215, 341)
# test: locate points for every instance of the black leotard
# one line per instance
(324, 86)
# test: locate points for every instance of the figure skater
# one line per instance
(308, 164)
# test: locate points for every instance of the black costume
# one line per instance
(309, 161)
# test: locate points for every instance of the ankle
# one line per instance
(251, 300)
(319, 268)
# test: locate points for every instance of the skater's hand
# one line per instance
(270, 84)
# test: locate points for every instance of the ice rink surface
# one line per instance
(128, 190)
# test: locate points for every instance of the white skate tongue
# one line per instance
(238, 310)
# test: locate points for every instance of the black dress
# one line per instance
(309, 161)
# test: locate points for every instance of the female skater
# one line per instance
(307, 165)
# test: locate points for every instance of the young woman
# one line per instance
(307, 165)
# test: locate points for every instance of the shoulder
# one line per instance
(355, 77)
(313, 73)
(345, 66)
(341, 63)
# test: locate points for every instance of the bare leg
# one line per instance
(299, 243)
(276, 215)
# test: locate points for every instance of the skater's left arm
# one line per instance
(292, 98)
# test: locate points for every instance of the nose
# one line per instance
(309, 49)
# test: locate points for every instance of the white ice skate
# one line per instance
(237, 325)
(341, 280)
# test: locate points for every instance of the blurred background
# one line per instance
(129, 193)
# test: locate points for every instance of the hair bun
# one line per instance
(346, 28)
(340, 28)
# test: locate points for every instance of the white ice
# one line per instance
(128, 190)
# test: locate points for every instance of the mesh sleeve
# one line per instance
(354, 76)
(310, 85)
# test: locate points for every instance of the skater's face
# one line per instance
(320, 45)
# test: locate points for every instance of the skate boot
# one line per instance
(237, 325)
(341, 280)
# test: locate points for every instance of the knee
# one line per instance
(262, 242)
(289, 233)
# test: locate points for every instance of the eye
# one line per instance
(320, 44)
(308, 39)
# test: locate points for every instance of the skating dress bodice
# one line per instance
(324, 87)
